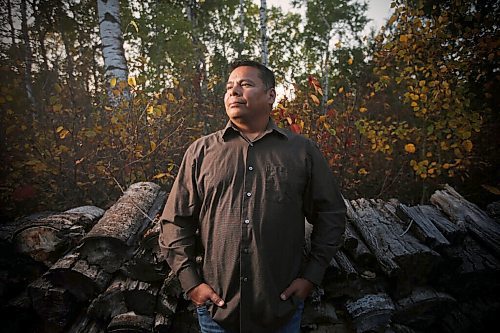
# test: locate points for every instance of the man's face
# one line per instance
(247, 99)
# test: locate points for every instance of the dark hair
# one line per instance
(265, 74)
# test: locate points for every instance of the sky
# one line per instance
(378, 10)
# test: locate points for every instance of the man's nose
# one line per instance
(235, 90)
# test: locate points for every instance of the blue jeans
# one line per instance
(208, 325)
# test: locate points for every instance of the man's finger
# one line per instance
(216, 299)
(288, 291)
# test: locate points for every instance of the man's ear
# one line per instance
(272, 95)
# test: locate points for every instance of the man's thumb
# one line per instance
(216, 299)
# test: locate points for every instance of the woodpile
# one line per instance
(401, 269)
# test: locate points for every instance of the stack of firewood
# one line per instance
(401, 269)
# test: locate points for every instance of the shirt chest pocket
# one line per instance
(277, 184)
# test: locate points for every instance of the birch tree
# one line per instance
(115, 63)
(263, 32)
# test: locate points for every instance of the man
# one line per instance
(247, 190)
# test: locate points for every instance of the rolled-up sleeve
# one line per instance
(325, 209)
(179, 222)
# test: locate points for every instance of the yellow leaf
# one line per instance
(362, 171)
(341, 90)
(349, 61)
(160, 175)
(131, 81)
(153, 145)
(363, 109)
(403, 38)
(410, 148)
(321, 119)
(329, 102)
(150, 110)
(132, 23)
(314, 99)
(467, 144)
(64, 133)
(59, 129)
(112, 83)
(171, 97)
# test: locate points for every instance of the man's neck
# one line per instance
(252, 131)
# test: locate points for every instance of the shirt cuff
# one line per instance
(189, 278)
(314, 272)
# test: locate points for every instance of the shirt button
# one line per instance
(245, 250)
(250, 168)
(245, 279)
(249, 194)
(247, 221)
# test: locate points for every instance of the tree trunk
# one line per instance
(28, 59)
(263, 32)
(242, 28)
(115, 63)
(11, 23)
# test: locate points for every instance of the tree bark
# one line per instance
(115, 63)
(371, 313)
(112, 240)
(263, 32)
(483, 227)
(28, 59)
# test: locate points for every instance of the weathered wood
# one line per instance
(361, 254)
(141, 296)
(477, 272)
(85, 324)
(18, 314)
(483, 227)
(111, 302)
(400, 255)
(422, 308)
(453, 232)
(47, 238)
(169, 295)
(475, 314)
(111, 241)
(350, 238)
(345, 265)
(56, 307)
(82, 279)
(371, 313)
(146, 263)
(421, 226)
(130, 322)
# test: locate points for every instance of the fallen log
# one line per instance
(453, 232)
(483, 227)
(111, 241)
(399, 254)
(146, 263)
(110, 303)
(130, 322)
(78, 276)
(56, 307)
(422, 308)
(47, 238)
(168, 299)
(85, 324)
(371, 313)
(421, 226)
(478, 314)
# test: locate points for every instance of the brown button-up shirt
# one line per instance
(248, 200)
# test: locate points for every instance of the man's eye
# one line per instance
(245, 84)
(228, 87)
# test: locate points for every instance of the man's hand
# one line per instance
(299, 287)
(202, 293)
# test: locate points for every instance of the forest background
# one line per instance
(96, 95)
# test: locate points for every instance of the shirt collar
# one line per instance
(271, 127)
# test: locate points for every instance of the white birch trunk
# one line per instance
(115, 64)
(242, 28)
(28, 57)
(263, 31)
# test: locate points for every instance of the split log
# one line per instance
(361, 254)
(111, 241)
(453, 232)
(477, 273)
(130, 322)
(55, 306)
(422, 308)
(421, 226)
(321, 313)
(483, 227)
(371, 313)
(146, 263)
(350, 238)
(110, 303)
(47, 238)
(78, 276)
(399, 254)
(345, 265)
(85, 324)
(168, 299)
